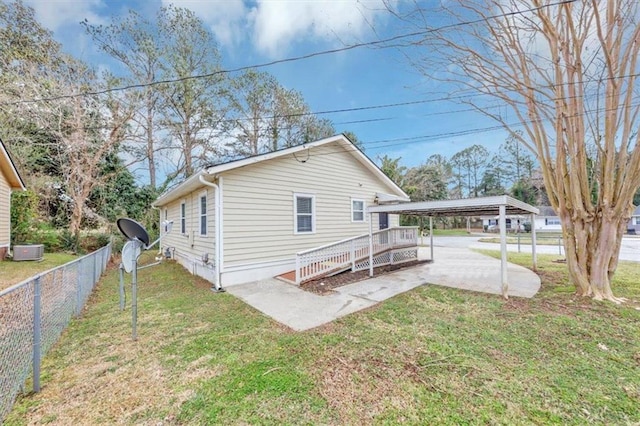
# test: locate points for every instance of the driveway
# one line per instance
(629, 249)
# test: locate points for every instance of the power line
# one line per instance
(381, 42)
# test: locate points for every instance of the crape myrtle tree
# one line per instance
(566, 71)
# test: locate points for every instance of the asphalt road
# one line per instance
(630, 249)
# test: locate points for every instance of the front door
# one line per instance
(383, 220)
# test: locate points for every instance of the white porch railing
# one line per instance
(393, 245)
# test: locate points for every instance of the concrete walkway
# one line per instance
(453, 267)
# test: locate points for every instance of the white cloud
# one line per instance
(226, 18)
(55, 14)
(274, 25)
(279, 23)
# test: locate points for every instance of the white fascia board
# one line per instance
(14, 179)
(186, 187)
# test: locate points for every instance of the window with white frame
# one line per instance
(203, 214)
(636, 220)
(357, 210)
(552, 221)
(304, 213)
(183, 217)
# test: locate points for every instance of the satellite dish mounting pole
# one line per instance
(134, 298)
(122, 295)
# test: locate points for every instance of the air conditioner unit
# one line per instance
(28, 252)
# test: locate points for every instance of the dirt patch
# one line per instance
(326, 285)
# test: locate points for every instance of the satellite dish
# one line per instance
(133, 230)
(130, 252)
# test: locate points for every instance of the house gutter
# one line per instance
(218, 220)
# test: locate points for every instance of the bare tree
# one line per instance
(566, 70)
(193, 109)
(87, 128)
(139, 47)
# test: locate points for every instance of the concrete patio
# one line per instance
(455, 267)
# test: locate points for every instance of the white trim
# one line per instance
(251, 272)
(295, 213)
(16, 178)
(183, 217)
(203, 194)
(363, 211)
(220, 225)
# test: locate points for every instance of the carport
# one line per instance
(501, 205)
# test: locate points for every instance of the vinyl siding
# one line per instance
(191, 244)
(5, 214)
(258, 202)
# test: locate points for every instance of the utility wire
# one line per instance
(296, 58)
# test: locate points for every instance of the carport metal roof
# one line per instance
(482, 206)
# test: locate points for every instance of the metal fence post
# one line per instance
(95, 269)
(79, 289)
(559, 247)
(37, 333)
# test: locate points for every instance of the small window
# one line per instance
(203, 214)
(183, 218)
(637, 220)
(357, 210)
(304, 214)
(551, 221)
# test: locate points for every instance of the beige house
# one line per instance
(10, 181)
(245, 220)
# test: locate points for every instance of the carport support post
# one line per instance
(534, 256)
(431, 236)
(371, 244)
(503, 251)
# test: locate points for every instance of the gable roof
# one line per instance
(8, 168)
(193, 182)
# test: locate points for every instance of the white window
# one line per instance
(636, 220)
(304, 215)
(183, 218)
(551, 221)
(203, 214)
(357, 210)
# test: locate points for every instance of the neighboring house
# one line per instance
(245, 220)
(513, 223)
(633, 226)
(10, 181)
(547, 220)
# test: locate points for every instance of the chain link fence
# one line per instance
(34, 313)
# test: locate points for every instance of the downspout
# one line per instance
(218, 285)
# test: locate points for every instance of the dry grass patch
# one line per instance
(14, 272)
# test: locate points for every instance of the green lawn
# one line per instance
(431, 356)
(14, 272)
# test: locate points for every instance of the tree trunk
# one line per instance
(150, 145)
(592, 248)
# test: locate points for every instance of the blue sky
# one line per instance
(259, 31)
